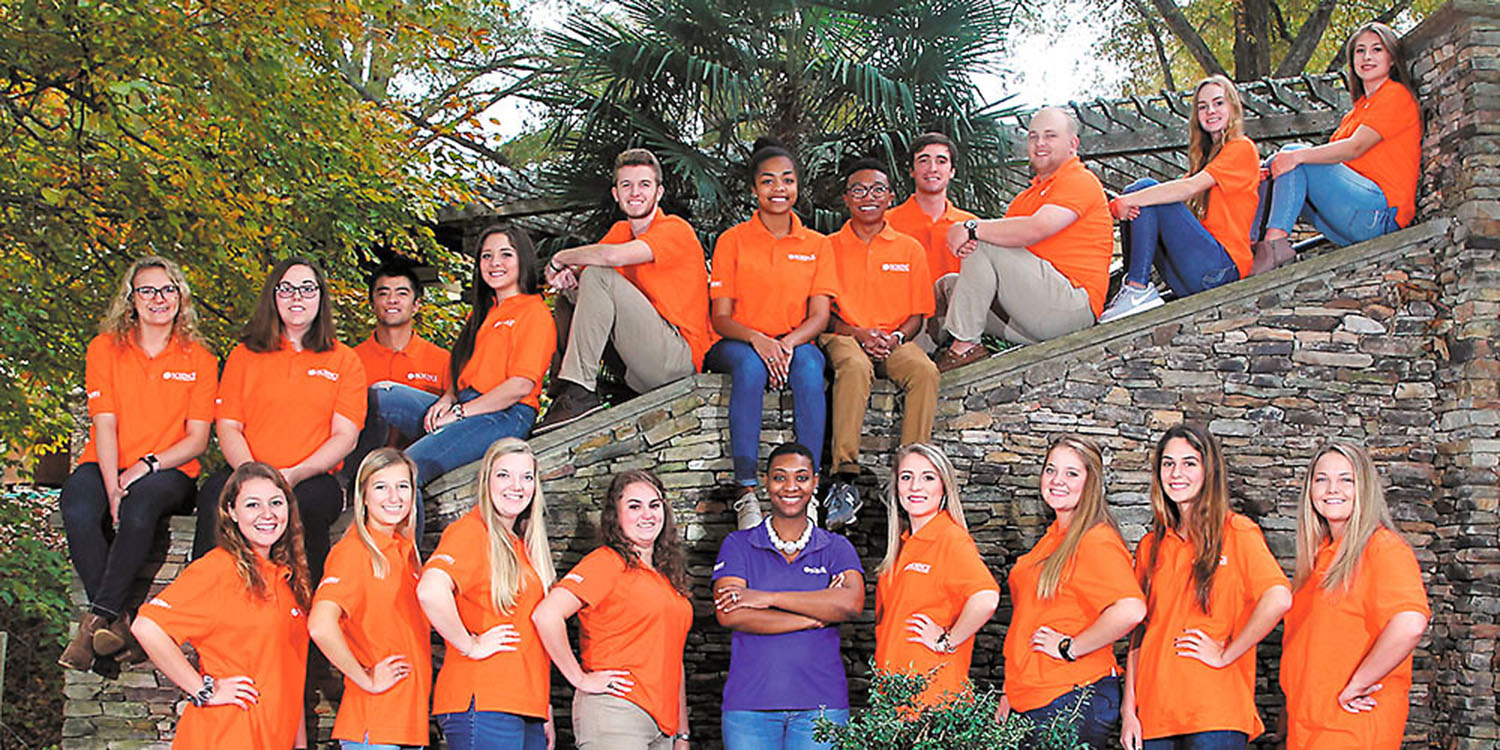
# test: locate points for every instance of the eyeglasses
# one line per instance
(859, 190)
(150, 292)
(287, 291)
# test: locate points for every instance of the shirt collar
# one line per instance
(1072, 163)
(798, 232)
(886, 233)
(938, 526)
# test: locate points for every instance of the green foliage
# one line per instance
(896, 720)
(697, 81)
(33, 566)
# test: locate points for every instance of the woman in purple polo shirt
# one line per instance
(782, 586)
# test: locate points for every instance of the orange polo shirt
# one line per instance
(882, 283)
(1396, 161)
(286, 399)
(1233, 199)
(1082, 250)
(1178, 694)
(633, 619)
(237, 634)
(770, 278)
(1099, 575)
(675, 279)
(517, 340)
(936, 572)
(909, 219)
(1328, 634)
(152, 398)
(422, 364)
(515, 682)
(381, 619)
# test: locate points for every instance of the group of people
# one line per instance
(904, 292)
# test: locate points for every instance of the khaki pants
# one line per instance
(1035, 301)
(610, 309)
(930, 337)
(604, 722)
(853, 372)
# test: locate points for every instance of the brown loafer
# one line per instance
(113, 637)
(950, 361)
(79, 653)
(1268, 254)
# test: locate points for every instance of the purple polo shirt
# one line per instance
(791, 671)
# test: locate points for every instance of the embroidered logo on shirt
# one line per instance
(718, 566)
(425, 377)
(94, 394)
(507, 322)
(444, 557)
(329, 580)
(574, 577)
(157, 601)
(296, 612)
(181, 377)
(1223, 559)
(917, 567)
(815, 570)
(896, 267)
(715, 284)
(804, 257)
(322, 372)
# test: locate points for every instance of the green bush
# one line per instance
(34, 570)
(895, 720)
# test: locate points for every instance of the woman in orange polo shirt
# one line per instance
(1213, 590)
(365, 616)
(631, 599)
(150, 385)
(1362, 183)
(1072, 596)
(291, 396)
(1358, 613)
(768, 329)
(243, 607)
(481, 585)
(933, 592)
(1194, 229)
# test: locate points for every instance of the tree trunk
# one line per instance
(1252, 39)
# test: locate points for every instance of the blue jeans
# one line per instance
(1344, 205)
(454, 444)
(352, 745)
(777, 730)
(1098, 727)
(1171, 237)
(484, 730)
(1216, 740)
(748, 373)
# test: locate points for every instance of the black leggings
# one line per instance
(108, 558)
(320, 500)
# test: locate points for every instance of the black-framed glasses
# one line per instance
(858, 190)
(305, 290)
(150, 292)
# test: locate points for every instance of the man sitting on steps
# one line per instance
(643, 287)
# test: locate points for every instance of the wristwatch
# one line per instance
(973, 226)
(944, 646)
(1065, 649)
(153, 464)
(900, 335)
(458, 410)
(683, 736)
(201, 697)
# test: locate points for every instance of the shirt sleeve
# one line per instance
(201, 398)
(460, 554)
(350, 399)
(672, 242)
(230, 403)
(1105, 570)
(1236, 169)
(966, 574)
(533, 345)
(1076, 190)
(1142, 559)
(99, 376)
(724, 267)
(844, 557)
(1393, 114)
(594, 576)
(342, 581)
(825, 273)
(1257, 566)
(186, 608)
(1395, 580)
(731, 560)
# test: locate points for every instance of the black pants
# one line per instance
(108, 558)
(319, 502)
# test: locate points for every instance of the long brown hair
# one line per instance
(482, 297)
(288, 551)
(1092, 510)
(896, 521)
(1370, 512)
(1203, 523)
(263, 333)
(378, 460)
(121, 319)
(667, 555)
(531, 525)
(1204, 146)
(1392, 44)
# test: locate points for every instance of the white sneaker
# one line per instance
(747, 509)
(1131, 300)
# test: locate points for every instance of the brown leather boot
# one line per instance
(79, 654)
(112, 636)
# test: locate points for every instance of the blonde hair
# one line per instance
(897, 522)
(1092, 510)
(378, 460)
(120, 319)
(505, 566)
(1203, 146)
(1370, 513)
(1203, 524)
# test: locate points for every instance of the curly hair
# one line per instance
(667, 554)
(121, 318)
(288, 551)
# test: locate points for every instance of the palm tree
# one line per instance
(697, 81)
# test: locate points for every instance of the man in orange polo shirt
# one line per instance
(394, 353)
(884, 291)
(642, 288)
(1043, 270)
(927, 216)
